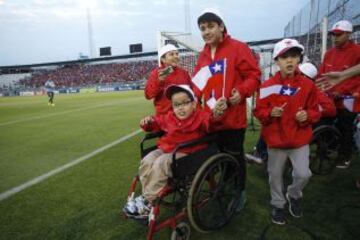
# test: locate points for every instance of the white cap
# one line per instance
(286, 44)
(213, 11)
(309, 70)
(342, 26)
(170, 90)
(165, 49)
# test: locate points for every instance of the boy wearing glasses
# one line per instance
(184, 123)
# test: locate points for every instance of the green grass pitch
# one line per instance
(84, 202)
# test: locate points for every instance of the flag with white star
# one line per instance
(277, 89)
(210, 80)
(203, 76)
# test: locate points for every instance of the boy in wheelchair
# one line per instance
(184, 123)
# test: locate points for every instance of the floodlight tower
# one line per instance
(187, 16)
(90, 32)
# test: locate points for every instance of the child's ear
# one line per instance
(193, 104)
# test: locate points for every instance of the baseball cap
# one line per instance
(165, 49)
(342, 26)
(309, 70)
(286, 44)
(212, 11)
(179, 88)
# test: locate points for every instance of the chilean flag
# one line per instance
(352, 104)
(210, 80)
(277, 89)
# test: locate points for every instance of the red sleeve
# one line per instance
(154, 126)
(153, 86)
(249, 71)
(312, 108)
(327, 106)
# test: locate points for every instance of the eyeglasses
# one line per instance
(183, 104)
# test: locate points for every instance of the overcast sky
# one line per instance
(36, 31)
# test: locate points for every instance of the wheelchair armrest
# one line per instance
(149, 136)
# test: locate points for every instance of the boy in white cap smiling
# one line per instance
(344, 55)
(287, 108)
(240, 79)
(166, 74)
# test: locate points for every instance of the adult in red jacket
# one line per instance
(235, 76)
(167, 74)
(344, 55)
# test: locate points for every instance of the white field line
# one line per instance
(66, 112)
(62, 168)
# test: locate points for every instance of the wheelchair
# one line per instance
(204, 190)
(324, 148)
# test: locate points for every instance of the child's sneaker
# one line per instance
(294, 206)
(278, 216)
(143, 206)
(253, 157)
(130, 208)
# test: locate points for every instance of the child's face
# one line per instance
(288, 62)
(340, 38)
(182, 105)
(212, 32)
(171, 58)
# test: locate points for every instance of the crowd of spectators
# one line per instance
(77, 75)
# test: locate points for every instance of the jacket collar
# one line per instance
(226, 39)
(346, 45)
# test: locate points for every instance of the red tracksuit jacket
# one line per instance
(340, 59)
(154, 89)
(285, 132)
(180, 131)
(242, 73)
(326, 105)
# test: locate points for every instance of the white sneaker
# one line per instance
(253, 158)
(142, 205)
(130, 208)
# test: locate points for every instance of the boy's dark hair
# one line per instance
(181, 90)
(293, 51)
(209, 17)
(173, 89)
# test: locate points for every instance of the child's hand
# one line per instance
(220, 107)
(235, 97)
(163, 73)
(145, 121)
(301, 116)
(277, 111)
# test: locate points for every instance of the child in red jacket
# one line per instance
(185, 123)
(168, 73)
(287, 107)
(326, 104)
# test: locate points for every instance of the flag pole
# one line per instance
(224, 76)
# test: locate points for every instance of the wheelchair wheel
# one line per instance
(324, 149)
(181, 232)
(215, 193)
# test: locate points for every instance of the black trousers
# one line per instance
(232, 142)
(345, 124)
